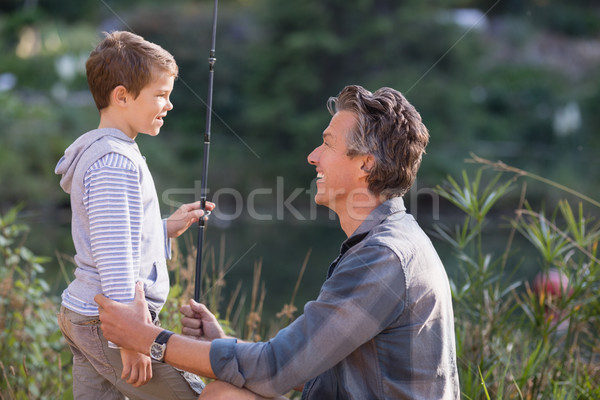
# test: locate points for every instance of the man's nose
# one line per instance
(313, 157)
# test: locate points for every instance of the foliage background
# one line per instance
(505, 79)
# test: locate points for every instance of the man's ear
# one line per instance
(368, 164)
(119, 96)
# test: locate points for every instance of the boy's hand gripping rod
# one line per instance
(203, 185)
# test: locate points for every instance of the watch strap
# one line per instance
(159, 346)
(163, 337)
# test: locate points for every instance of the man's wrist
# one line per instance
(145, 338)
(158, 348)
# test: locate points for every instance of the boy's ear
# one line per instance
(119, 96)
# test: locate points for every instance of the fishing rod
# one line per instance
(203, 185)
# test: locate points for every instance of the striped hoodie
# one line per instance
(116, 224)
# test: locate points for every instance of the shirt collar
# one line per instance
(384, 210)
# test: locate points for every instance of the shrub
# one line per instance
(516, 339)
(34, 361)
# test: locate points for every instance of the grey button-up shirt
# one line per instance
(382, 326)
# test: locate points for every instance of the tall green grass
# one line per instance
(513, 341)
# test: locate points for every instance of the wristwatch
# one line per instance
(158, 347)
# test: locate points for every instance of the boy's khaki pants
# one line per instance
(97, 368)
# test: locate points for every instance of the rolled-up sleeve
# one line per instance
(223, 360)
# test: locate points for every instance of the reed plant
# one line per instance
(523, 337)
(519, 335)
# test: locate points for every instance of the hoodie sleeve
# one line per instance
(112, 200)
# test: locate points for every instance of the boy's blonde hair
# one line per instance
(124, 58)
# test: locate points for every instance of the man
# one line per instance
(382, 326)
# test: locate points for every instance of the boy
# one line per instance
(117, 229)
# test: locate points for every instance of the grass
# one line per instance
(514, 341)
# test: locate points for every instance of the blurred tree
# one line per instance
(580, 18)
(308, 51)
(495, 84)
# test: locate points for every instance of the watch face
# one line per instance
(157, 351)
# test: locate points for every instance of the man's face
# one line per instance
(339, 177)
(146, 112)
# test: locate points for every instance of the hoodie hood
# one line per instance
(68, 163)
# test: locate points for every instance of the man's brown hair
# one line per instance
(391, 130)
(124, 58)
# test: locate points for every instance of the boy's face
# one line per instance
(145, 113)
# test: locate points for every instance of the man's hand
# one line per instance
(200, 323)
(185, 216)
(122, 323)
(130, 327)
(137, 368)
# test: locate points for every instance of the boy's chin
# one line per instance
(151, 133)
